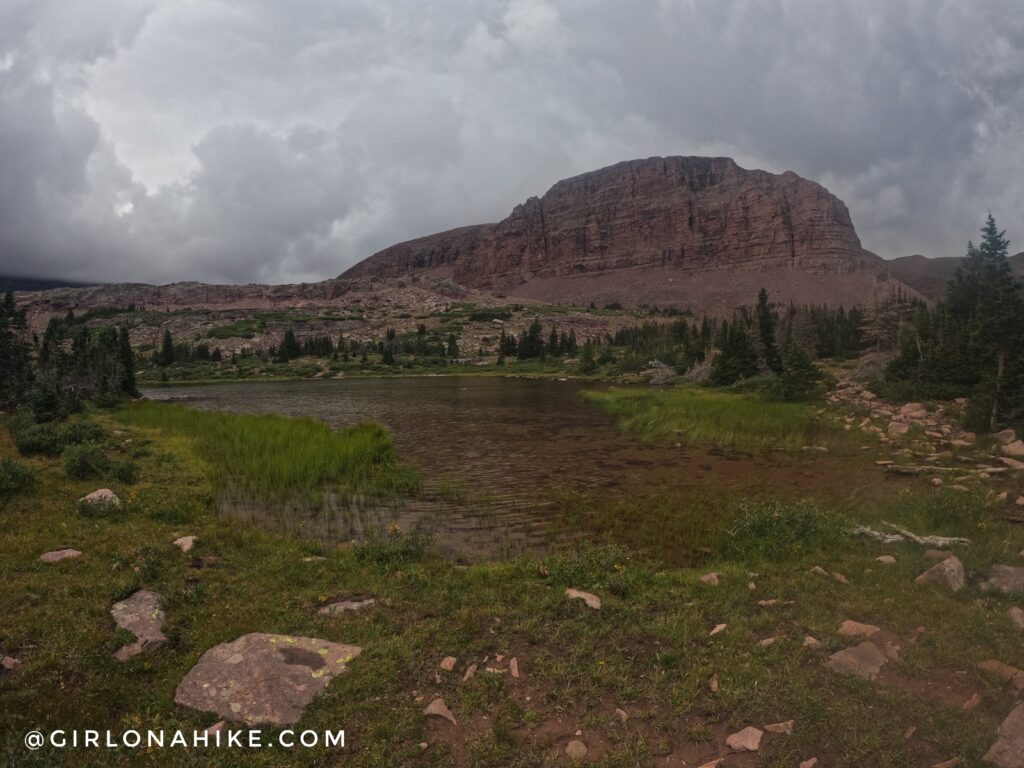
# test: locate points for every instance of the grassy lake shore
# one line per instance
(648, 651)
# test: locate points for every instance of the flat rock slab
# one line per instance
(1005, 578)
(1008, 751)
(57, 555)
(344, 606)
(947, 573)
(592, 601)
(747, 740)
(263, 679)
(141, 615)
(864, 660)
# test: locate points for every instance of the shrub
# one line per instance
(82, 432)
(124, 471)
(85, 461)
(38, 439)
(14, 478)
(778, 529)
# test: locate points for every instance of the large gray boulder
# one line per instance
(263, 679)
(948, 573)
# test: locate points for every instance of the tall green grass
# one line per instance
(702, 416)
(280, 460)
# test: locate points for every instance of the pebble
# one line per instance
(448, 663)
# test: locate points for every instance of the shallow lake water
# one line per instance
(498, 456)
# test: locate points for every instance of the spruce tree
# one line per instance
(126, 364)
(166, 356)
(766, 323)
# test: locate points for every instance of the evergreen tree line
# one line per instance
(971, 344)
(72, 363)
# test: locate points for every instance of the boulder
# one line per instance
(947, 573)
(57, 555)
(263, 679)
(1005, 578)
(437, 708)
(103, 497)
(1005, 437)
(576, 750)
(141, 615)
(343, 606)
(747, 740)
(1014, 449)
(864, 660)
(1008, 750)
(855, 629)
(592, 601)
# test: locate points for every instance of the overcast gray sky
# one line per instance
(284, 140)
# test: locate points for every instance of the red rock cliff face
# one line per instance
(690, 231)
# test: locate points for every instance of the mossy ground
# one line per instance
(647, 651)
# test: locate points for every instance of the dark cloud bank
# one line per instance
(258, 140)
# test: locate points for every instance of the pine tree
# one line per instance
(166, 355)
(766, 323)
(453, 346)
(126, 364)
(800, 377)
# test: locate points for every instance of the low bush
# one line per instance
(82, 432)
(85, 461)
(778, 530)
(38, 439)
(14, 478)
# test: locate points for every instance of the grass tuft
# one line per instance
(700, 416)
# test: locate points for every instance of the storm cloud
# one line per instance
(268, 141)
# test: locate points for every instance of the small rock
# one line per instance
(448, 663)
(103, 497)
(937, 482)
(1005, 671)
(747, 740)
(819, 571)
(909, 733)
(1020, 501)
(592, 601)
(1008, 751)
(576, 750)
(185, 543)
(622, 714)
(713, 763)
(1005, 578)
(751, 586)
(812, 763)
(1016, 616)
(840, 578)
(937, 554)
(713, 684)
(784, 727)
(769, 641)
(513, 666)
(423, 745)
(9, 663)
(1005, 437)
(343, 606)
(811, 642)
(718, 628)
(313, 559)
(886, 559)
(437, 708)
(57, 555)
(948, 573)
(470, 672)
(851, 628)
(864, 660)
(948, 763)
(1015, 449)
(713, 578)
(971, 703)
(217, 727)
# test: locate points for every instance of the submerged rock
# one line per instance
(263, 679)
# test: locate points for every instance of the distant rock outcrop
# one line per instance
(928, 276)
(686, 231)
